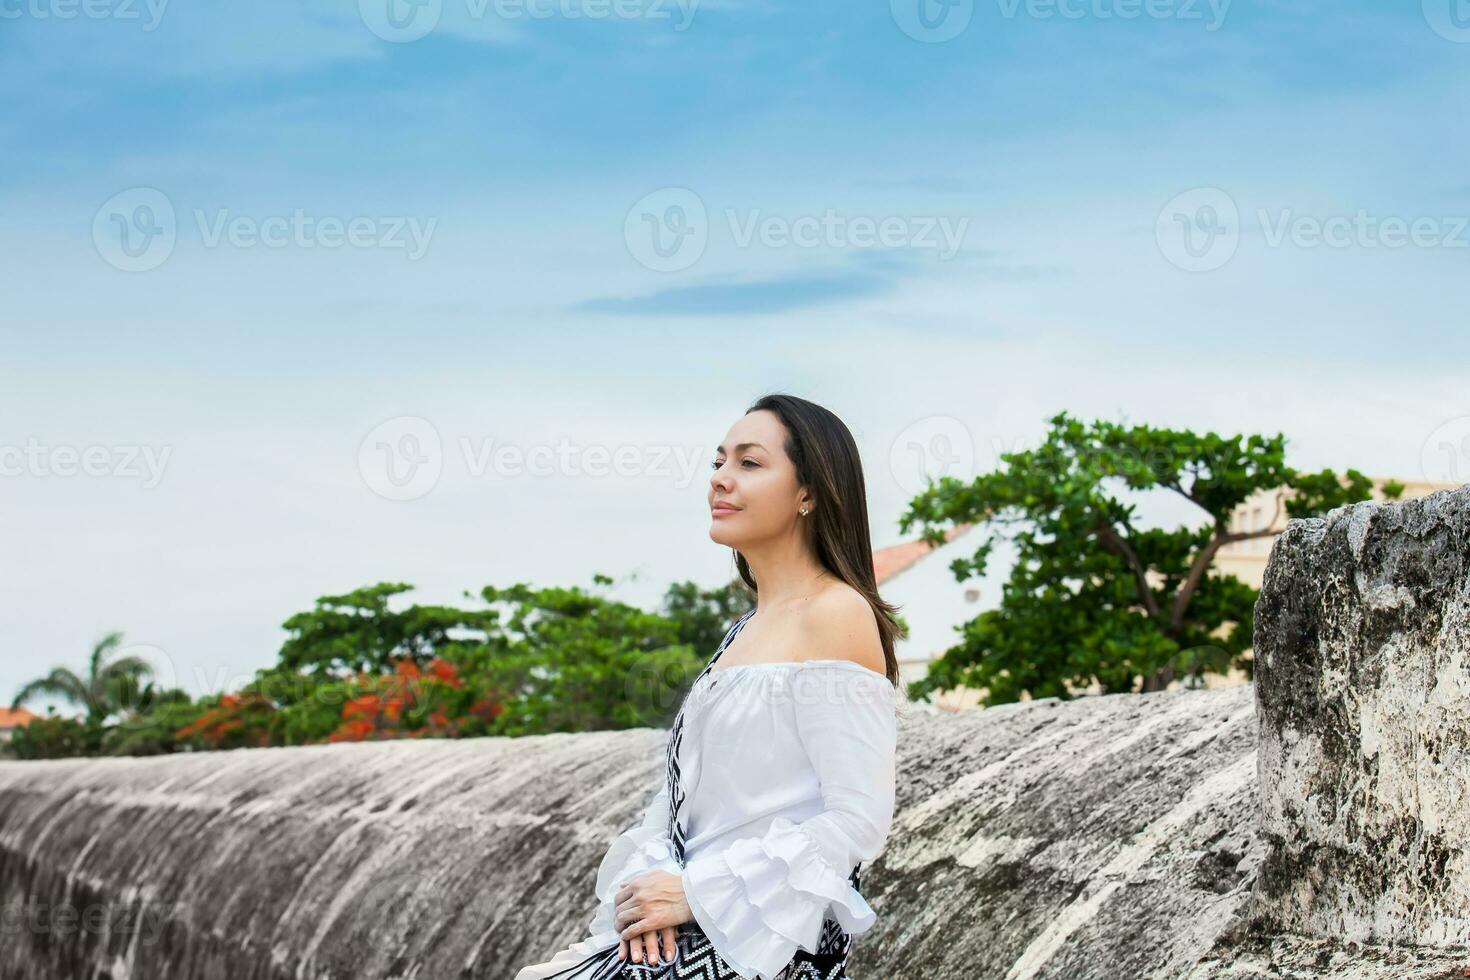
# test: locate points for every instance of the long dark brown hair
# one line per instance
(827, 464)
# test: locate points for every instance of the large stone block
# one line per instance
(1362, 648)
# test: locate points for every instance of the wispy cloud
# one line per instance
(745, 298)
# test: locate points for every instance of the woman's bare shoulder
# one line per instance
(838, 624)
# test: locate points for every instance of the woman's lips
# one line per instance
(721, 510)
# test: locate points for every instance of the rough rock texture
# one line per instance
(1362, 646)
(1107, 838)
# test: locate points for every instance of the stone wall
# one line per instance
(1106, 838)
(1363, 684)
(1036, 840)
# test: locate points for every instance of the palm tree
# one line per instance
(109, 687)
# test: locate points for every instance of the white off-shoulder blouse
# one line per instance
(787, 776)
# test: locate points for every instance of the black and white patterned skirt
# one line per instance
(696, 959)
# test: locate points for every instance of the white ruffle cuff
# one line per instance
(643, 848)
(762, 898)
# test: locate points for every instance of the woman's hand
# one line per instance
(646, 910)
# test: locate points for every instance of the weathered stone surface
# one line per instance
(1362, 646)
(1107, 838)
(1283, 956)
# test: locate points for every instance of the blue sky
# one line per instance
(513, 180)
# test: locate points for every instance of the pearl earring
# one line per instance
(803, 512)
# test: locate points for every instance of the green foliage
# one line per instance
(569, 661)
(153, 731)
(54, 737)
(1093, 597)
(522, 661)
(111, 686)
(358, 632)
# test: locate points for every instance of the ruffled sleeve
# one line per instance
(759, 899)
(643, 847)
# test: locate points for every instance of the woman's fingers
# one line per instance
(667, 933)
(644, 948)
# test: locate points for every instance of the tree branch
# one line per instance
(1114, 542)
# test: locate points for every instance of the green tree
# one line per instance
(358, 632)
(566, 660)
(55, 737)
(549, 660)
(112, 685)
(703, 615)
(1093, 597)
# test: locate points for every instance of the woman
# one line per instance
(779, 776)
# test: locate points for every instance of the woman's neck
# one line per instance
(786, 574)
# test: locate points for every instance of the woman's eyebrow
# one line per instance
(741, 445)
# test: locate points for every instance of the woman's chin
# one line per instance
(719, 533)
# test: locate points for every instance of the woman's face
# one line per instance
(753, 493)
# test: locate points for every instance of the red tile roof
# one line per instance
(15, 717)
(888, 562)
